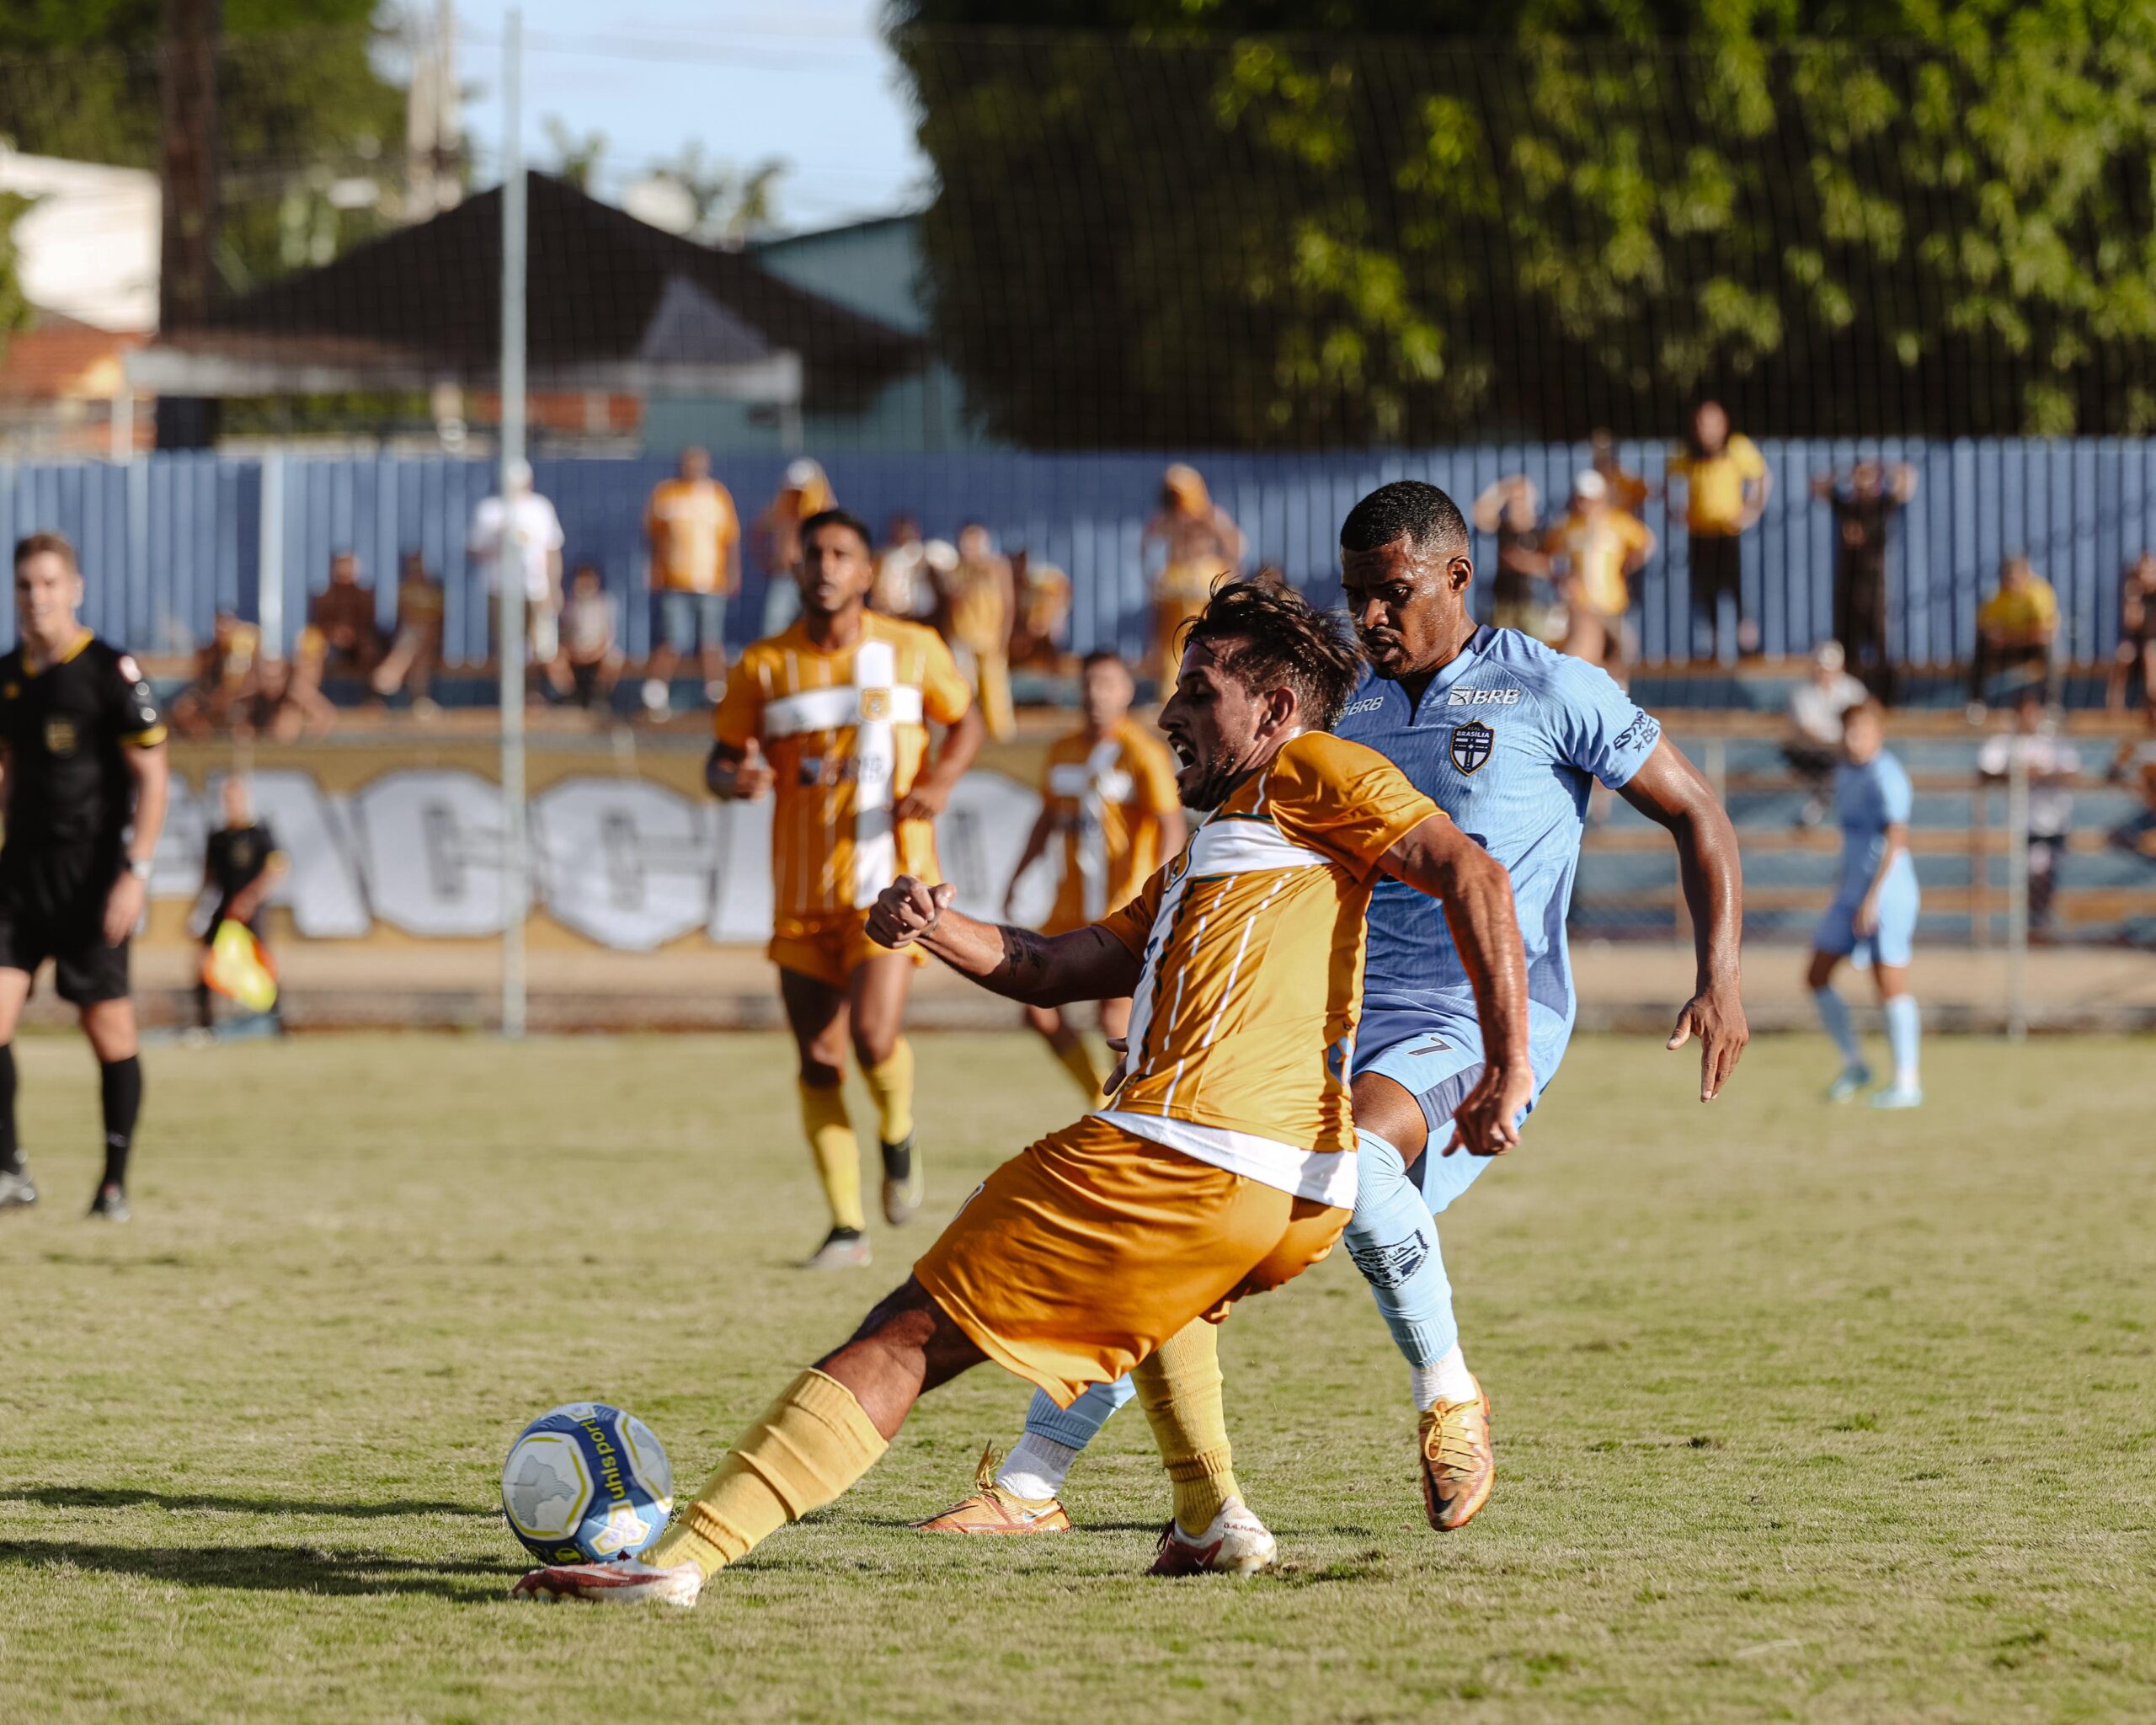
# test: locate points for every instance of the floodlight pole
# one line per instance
(515, 857)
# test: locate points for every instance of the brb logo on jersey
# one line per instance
(1471, 746)
(1483, 697)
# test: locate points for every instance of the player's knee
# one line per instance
(820, 1074)
(873, 1044)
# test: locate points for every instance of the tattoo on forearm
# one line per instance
(1025, 956)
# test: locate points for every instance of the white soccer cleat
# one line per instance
(1852, 1080)
(1237, 1543)
(843, 1249)
(625, 1583)
(1899, 1096)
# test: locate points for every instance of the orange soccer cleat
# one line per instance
(991, 1509)
(1458, 1464)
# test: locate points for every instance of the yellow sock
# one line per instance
(891, 1085)
(838, 1156)
(1179, 1387)
(812, 1445)
(1077, 1060)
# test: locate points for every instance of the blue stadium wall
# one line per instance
(169, 539)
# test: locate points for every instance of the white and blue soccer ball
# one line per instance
(587, 1483)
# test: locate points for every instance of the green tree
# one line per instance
(1171, 221)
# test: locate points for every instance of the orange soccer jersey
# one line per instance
(1243, 1021)
(1108, 799)
(692, 526)
(845, 733)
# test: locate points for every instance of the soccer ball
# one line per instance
(587, 1483)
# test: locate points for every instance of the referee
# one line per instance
(84, 796)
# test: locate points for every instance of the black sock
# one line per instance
(11, 1153)
(898, 1160)
(121, 1082)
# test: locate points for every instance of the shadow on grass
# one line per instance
(128, 1497)
(287, 1569)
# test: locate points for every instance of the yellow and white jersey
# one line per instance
(1108, 799)
(1242, 1026)
(845, 733)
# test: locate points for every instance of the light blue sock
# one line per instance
(1393, 1243)
(1077, 1425)
(1902, 1036)
(1835, 1014)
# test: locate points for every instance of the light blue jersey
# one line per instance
(1868, 799)
(1507, 740)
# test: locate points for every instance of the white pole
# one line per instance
(269, 579)
(515, 896)
(2017, 893)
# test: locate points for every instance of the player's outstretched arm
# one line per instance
(1671, 791)
(1041, 971)
(1438, 859)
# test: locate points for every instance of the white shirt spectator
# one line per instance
(1816, 708)
(534, 532)
(2050, 760)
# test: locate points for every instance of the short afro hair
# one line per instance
(1286, 643)
(840, 518)
(1407, 508)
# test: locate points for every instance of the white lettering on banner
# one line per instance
(323, 890)
(624, 862)
(628, 863)
(430, 851)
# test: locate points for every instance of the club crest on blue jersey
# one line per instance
(1472, 743)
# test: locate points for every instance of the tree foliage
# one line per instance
(1256, 224)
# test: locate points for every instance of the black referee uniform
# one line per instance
(66, 727)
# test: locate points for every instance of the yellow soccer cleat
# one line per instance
(1459, 1464)
(991, 1509)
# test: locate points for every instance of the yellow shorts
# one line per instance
(1076, 1260)
(829, 946)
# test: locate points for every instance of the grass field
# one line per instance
(1800, 1414)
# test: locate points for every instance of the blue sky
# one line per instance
(807, 80)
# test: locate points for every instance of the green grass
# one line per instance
(1801, 1414)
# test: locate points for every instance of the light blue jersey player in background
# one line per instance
(1507, 738)
(1873, 919)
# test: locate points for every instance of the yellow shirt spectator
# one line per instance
(1600, 547)
(1714, 485)
(693, 531)
(2027, 614)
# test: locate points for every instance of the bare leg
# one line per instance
(904, 1347)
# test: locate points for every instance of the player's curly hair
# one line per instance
(1286, 642)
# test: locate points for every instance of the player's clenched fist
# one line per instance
(739, 777)
(907, 909)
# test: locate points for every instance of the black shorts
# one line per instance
(52, 906)
(1717, 568)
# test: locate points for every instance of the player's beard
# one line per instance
(1394, 665)
(1218, 780)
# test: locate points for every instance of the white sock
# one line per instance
(1448, 1380)
(1037, 1467)
(1902, 1033)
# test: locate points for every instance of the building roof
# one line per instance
(612, 303)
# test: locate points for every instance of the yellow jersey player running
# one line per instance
(1227, 1166)
(1108, 791)
(843, 699)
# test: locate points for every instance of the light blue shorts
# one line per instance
(1436, 1058)
(1890, 945)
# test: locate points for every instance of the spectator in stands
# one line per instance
(803, 492)
(908, 569)
(1600, 547)
(1815, 709)
(2016, 629)
(2137, 633)
(241, 866)
(1044, 609)
(1510, 510)
(1201, 545)
(285, 702)
(522, 530)
(1628, 491)
(345, 613)
(1864, 505)
(1726, 486)
(590, 663)
(694, 537)
(223, 682)
(410, 662)
(979, 605)
(2051, 763)
(2135, 766)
